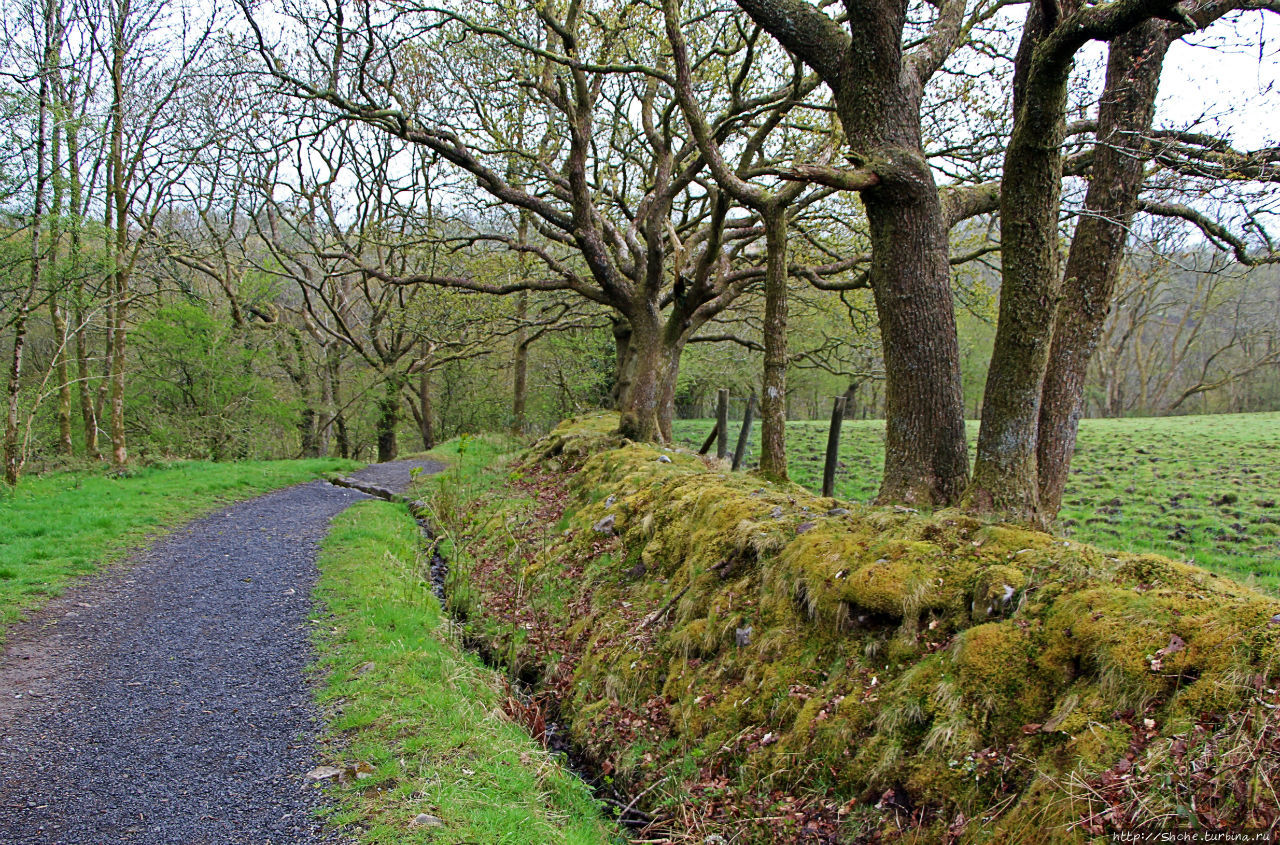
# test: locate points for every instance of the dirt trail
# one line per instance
(167, 701)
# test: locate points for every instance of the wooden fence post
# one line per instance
(711, 438)
(722, 423)
(833, 448)
(745, 435)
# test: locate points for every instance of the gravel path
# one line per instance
(395, 475)
(167, 702)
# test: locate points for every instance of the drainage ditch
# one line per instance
(538, 714)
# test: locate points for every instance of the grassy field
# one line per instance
(416, 721)
(58, 526)
(1201, 488)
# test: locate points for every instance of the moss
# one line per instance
(996, 674)
(732, 626)
(996, 592)
(1156, 571)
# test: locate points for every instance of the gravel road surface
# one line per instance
(167, 701)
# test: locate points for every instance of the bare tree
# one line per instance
(43, 20)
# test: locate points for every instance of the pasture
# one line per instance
(1199, 488)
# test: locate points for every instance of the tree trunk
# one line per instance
(63, 374)
(672, 351)
(1126, 111)
(926, 460)
(13, 458)
(649, 364)
(324, 425)
(773, 405)
(88, 411)
(57, 313)
(308, 432)
(520, 366)
(878, 103)
(119, 454)
(1004, 474)
(88, 414)
(333, 361)
(624, 364)
(389, 417)
(119, 202)
(300, 373)
(426, 426)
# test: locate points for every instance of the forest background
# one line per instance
(237, 232)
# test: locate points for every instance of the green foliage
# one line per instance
(65, 524)
(423, 717)
(199, 390)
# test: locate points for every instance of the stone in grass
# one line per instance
(838, 512)
(425, 820)
(605, 526)
(324, 772)
(663, 459)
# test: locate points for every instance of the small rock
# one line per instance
(424, 820)
(838, 512)
(324, 772)
(364, 668)
(608, 503)
(663, 459)
(742, 636)
(605, 526)
(776, 513)
(804, 526)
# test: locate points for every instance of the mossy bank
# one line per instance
(760, 663)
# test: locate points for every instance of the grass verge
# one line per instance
(415, 721)
(56, 527)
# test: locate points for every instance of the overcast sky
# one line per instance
(1212, 80)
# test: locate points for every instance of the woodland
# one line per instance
(297, 229)
(512, 256)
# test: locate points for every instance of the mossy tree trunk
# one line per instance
(329, 403)
(926, 459)
(520, 366)
(648, 363)
(878, 97)
(623, 365)
(1093, 262)
(426, 414)
(389, 416)
(1005, 475)
(773, 403)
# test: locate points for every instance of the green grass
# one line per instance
(1163, 484)
(65, 524)
(469, 461)
(422, 715)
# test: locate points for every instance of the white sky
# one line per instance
(1220, 81)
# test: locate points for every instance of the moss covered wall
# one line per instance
(925, 677)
